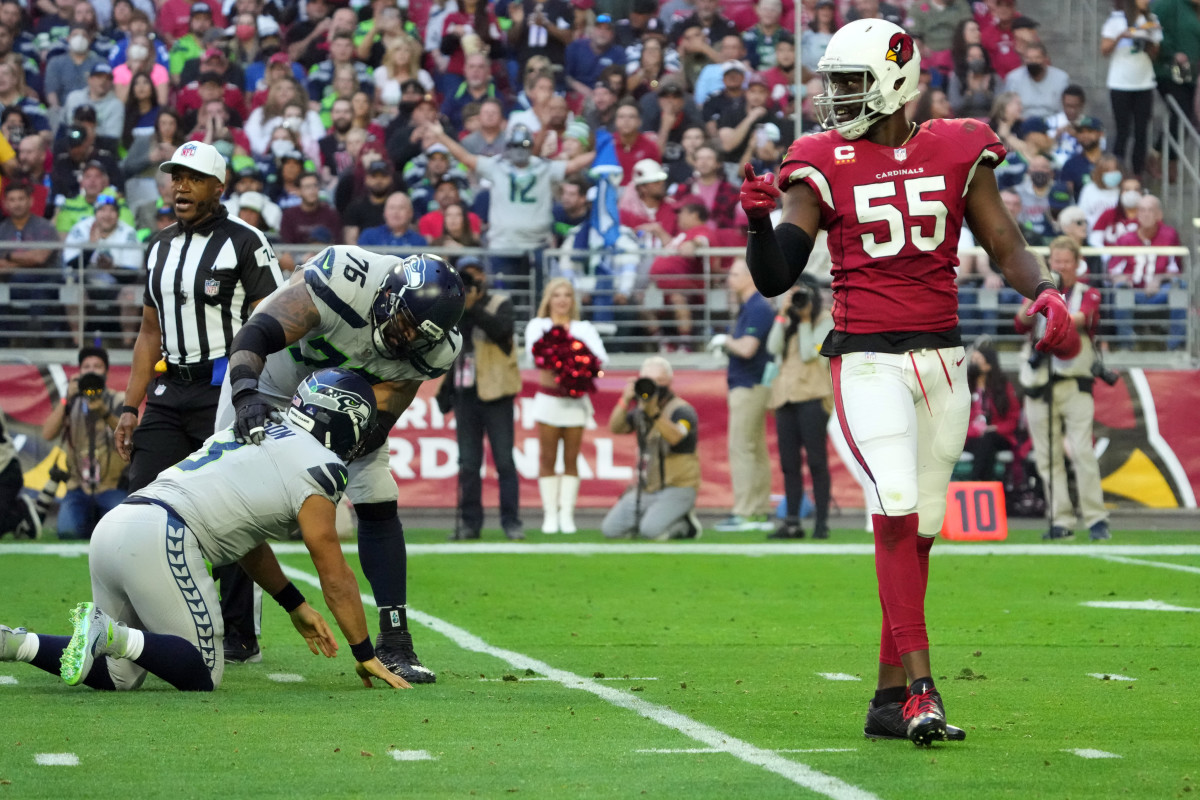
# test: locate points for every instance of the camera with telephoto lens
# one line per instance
(645, 388)
(91, 385)
(46, 496)
(1105, 374)
(802, 297)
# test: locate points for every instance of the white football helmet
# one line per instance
(890, 66)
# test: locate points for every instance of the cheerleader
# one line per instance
(561, 407)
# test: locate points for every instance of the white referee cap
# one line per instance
(200, 157)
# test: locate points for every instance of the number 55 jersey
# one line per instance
(893, 215)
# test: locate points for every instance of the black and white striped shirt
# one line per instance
(203, 282)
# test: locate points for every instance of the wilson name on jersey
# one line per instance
(894, 215)
(342, 283)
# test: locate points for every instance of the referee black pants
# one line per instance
(179, 416)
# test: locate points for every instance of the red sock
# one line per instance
(901, 581)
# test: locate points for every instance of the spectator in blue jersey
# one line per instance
(396, 230)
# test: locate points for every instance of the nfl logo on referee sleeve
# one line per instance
(212, 287)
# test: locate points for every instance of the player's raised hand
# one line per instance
(375, 669)
(759, 194)
(1053, 307)
(315, 630)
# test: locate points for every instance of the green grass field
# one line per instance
(573, 668)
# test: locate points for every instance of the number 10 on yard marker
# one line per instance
(975, 512)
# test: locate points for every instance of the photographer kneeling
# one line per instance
(662, 504)
(1059, 403)
(87, 418)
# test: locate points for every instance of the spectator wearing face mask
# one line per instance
(69, 71)
(1042, 196)
(1103, 191)
(1039, 84)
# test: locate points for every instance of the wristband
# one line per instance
(289, 597)
(129, 410)
(364, 651)
(1044, 286)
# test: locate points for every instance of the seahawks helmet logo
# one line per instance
(900, 49)
(413, 270)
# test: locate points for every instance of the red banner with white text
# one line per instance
(1147, 441)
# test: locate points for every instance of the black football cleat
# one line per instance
(239, 650)
(924, 716)
(887, 722)
(395, 650)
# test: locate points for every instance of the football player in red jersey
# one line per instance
(893, 197)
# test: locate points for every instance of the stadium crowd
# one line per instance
(450, 125)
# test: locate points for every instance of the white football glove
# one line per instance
(716, 345)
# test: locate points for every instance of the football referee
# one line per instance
(205, 274)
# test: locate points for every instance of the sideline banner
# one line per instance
(1146, 439)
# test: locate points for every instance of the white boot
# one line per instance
(548, 487)
(566, 503)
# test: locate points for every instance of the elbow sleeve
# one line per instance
(262, 335)
(777, 256)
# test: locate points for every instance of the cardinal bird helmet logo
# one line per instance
(900, 49)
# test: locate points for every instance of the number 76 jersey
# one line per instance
(342, 282)
(893, 215)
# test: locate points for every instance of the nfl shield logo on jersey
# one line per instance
(212, 287)
(901, 153)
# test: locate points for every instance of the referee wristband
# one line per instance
(1044, 286)
(364, 651)
(289, 597)
(129, 410)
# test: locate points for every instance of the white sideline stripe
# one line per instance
(56, 760)
(688, 548)
(686, 750)
(412, 755)
(7, 680)
(1138, 605)
(800, 774)
(838, 676)
(524, 679)
(1159, 564)
(1088, 753)
(286, 677)
(1110, 676)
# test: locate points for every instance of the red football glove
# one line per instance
(1053, 307)
(759, 194)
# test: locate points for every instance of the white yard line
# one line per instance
(526, 678)
(694, 549)
(56, 760)
(412, 755)
(690, 750)
(285, 677)
(1088, 753)
(800, 774)
(1110, 676)
(7, 680)
(838, 676)
(1142, 563)
(1138, 605)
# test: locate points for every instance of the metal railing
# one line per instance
(49, 310)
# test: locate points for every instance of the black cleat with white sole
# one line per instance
(887, 722)
(395, 650)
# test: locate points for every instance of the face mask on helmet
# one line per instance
(871, 69)
(420, 300)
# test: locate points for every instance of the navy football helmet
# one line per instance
(419, 301)
(337, 407)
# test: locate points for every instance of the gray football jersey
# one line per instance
(234, 496)
(342, 282)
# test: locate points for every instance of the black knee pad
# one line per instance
(376, 512)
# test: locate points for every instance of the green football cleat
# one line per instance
(95, 634)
